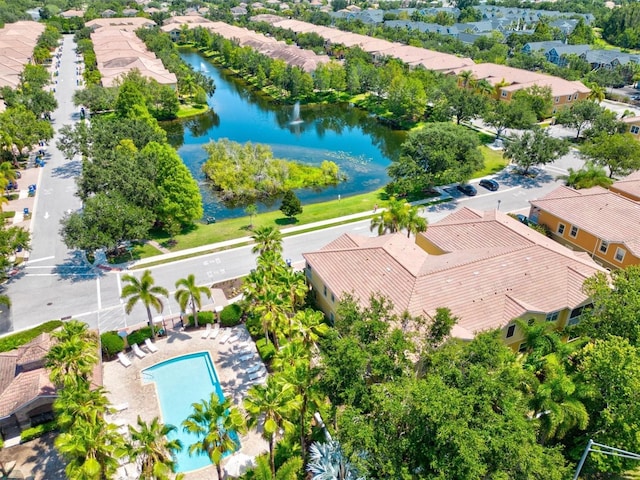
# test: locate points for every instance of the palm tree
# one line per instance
(73, 356)
(329, 463)
(309, 326)
(80, 403)
(289, 470)
(267, 239)
(145, 292)
(414, 223)
(252, 211)
(590, 175)
(484, 87)
(190, 293)
(151, 448)
(391, 219)
(597, 93)
(272, 403)
(215, 422)
(467, 78)
(90, 450)
(272, 309)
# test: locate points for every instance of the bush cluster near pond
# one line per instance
(249, 171)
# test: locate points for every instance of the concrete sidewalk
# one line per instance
(203, 249)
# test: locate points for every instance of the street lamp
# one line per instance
(499, 201)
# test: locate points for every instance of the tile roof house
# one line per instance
(119, 51)
(72, 13)
(628, 186)
(563, 91)
(633, 124)
(26, 393)
(17, 41)
(486, 267)
(604, 224)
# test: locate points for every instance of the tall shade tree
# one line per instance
(267, 239)
(619, 153)
(534, 147)
(579, 115)
(145, 292)
(73, 356)
(215, 422)
(189, 293)
(273, 404)
(152, 450)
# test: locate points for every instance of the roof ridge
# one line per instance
(492, 252)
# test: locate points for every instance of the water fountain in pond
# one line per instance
(295, 117)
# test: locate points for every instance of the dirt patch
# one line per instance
(35, 460)
(231, 288)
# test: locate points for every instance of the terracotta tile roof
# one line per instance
(486, 283)
(17, 41)
(130, 23)
(602, 213)
(629, 184)
(518, 79)
(25, 388)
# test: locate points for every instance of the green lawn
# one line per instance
(239, 227)
(191, 110)
(493, 162)
(140, 250)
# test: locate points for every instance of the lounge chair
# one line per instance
(215, 331)
(207, 331)
(124, 360)
(233, 338)
(253, 368)
(150, 346)
(225, 336)
(257, 375)
(246, 356)
(136, 350)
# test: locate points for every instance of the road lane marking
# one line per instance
(98, 293)
(41, 259)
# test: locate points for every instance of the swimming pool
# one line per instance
(181, 382)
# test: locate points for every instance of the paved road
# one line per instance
(57, 283)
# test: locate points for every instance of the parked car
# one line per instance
(522, 219)
(489, 184)
(467, 189)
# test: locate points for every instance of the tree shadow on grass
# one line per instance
(286, 221)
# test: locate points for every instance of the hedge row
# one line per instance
(265, 349)
(203, 318)
(38, 431)
(231, 315)
(11, 342)
(139, 336)
(112, 343)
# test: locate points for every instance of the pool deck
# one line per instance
(125, 385)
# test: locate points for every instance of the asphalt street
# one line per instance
(58, 283)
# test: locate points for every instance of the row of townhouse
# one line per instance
(487, 268)
(557, 52)
(17, 41)
(506, 79)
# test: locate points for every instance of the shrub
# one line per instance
(265, 349)
(139, 336)
(112, 343)
(203, 318)
(230, 315)
(37, 431)
(11, 342)
(254, 325)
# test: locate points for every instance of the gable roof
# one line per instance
(17, 41)
(629, 184)
(602, 213)
(496, 269)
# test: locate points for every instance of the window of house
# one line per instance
(561, 228)
(307, 271)
(574, 231)
(331, 317)
(620, 254)
(575, 96)
(511, 329)
(333, 299)
(635, 129)
(576, 314)
(325, 290)
(552, 317)
(531, 321)
(604, 246)
(504, 94)
(523, 347)
(557, 99)
(569, 98)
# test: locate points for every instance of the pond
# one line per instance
(354, 140)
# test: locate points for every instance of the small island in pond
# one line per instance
(246, 172)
